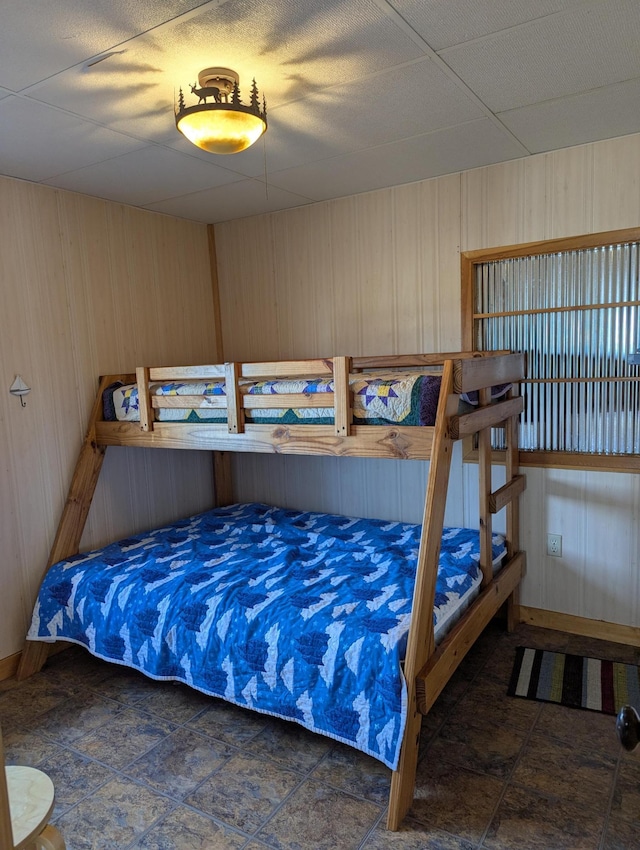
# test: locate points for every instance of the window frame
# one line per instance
(468, 262)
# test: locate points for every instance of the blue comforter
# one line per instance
(300, 615)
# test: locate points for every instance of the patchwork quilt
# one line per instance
(394, 398)
(300, 615)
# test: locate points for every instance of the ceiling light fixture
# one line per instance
(220, 122)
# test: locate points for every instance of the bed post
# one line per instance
(420, 644)
(222, 479)
(74, 517)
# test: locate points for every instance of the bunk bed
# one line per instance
(301, 407)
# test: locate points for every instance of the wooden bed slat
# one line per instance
(188, 402)
(288, 369)
(507, 493)
(285, 401)
(214, 372)
(410, 361)
(402, 442)
(485, 417)
(478, 372)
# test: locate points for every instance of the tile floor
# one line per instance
(155, 766)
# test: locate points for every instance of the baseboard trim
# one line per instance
(9, 666)
(599, 629)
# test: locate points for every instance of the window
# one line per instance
(572, 306)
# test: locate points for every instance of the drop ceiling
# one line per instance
(361, 94)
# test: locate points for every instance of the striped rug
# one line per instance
(574, 680)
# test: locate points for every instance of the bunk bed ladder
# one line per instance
(427, 669)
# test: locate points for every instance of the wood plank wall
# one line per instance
(88, 287)
(379, 273)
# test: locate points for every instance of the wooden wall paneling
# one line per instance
(88, 287)
(534, 198)
(84, 259)
(13, 605)
(30, 342)
(248, 297)
(446, 240)
(345, 272)
(610, 560)
(616, 184)
(408, 257)
(215, 294)
(570, 192)
(373, 249)
(304, 283)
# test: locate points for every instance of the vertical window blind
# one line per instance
(575, 315)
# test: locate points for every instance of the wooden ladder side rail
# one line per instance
(74, 517)
(484, 495)
(420, 644)
(517, 483)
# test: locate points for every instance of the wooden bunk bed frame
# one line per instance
(427, 667)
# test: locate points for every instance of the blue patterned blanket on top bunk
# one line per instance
(299, 615)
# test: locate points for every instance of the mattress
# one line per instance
(300, 615)
(395, 398)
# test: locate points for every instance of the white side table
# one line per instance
(31, 803)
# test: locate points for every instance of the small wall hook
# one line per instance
(19, 389)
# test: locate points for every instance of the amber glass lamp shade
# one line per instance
(221, 127)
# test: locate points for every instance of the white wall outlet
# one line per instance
(554, 545)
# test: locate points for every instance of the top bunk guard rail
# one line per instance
(343, 437)
(427, 667)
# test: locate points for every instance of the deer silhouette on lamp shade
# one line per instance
(208, 91)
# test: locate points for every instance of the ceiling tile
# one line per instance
(144, 177)
(293, 47)
(237, 200)
(400, 103)
(588, 47)
(126, 92)
(444, 24)
(38, 142)
(602, 114)
(467, 146)
(39, 38)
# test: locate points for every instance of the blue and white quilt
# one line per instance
(300, 615)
